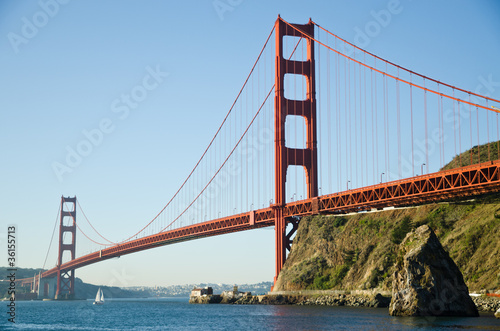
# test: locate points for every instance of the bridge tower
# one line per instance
(283, 107)
(65, 288)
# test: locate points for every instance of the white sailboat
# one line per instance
(99, 297)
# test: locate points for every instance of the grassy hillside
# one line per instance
(476, 154)
(358, 251)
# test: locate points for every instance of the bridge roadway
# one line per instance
(439, 186)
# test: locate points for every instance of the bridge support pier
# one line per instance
(280, 238)
(294, 221)
(284, 240)
(65, 288)
(283, 107)
(47, 288)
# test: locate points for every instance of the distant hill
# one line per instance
(82, 290)
(88, 291)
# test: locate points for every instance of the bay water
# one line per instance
(178, 314)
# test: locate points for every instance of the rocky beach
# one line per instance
(483, 303)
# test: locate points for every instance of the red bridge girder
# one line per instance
(440, 186)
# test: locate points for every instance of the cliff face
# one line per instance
(359, 251)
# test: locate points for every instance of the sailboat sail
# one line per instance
(99, 297)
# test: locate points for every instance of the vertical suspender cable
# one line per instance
(470, 130)
(355, 149)
(349, 109)
(376, 126)
(488, 131)
(339, 126)
(478, 147)
(426, 141)
(455, 128)
(346, 127)
(388, 174)
(439, 130)
(250, 142)
(361, 126)
(52, 237)
(398, 126)
(329, 119)
(386, 129)
(459, 135)
(320, 177)
(411, 123)
(442, 129)
(366, 121)
(373, 118)
(304, 129)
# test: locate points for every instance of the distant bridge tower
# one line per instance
(284, 156)
(66, 278)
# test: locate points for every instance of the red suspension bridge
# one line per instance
(347, 131)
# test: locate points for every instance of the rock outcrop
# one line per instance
(486, 303)
(426, 281)
(206, 299)
(497, 314)
(376, 300)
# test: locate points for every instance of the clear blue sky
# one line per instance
(61, 78)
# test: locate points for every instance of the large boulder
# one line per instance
(426, 280)
(497, 314)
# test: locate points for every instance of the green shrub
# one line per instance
(339, 274)
(339, 221)
(400, 231)
(350, 256)
(322, 282)
(379, 274)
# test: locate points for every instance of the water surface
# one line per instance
(178, 314)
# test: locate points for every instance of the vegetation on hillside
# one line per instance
(83, 290)
(358, 251)
(477, 154)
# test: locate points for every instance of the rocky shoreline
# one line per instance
(483, 303)
(374, 301)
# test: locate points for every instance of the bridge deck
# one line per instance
(439, 186)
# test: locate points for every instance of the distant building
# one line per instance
(234, 294)
(198, 292)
